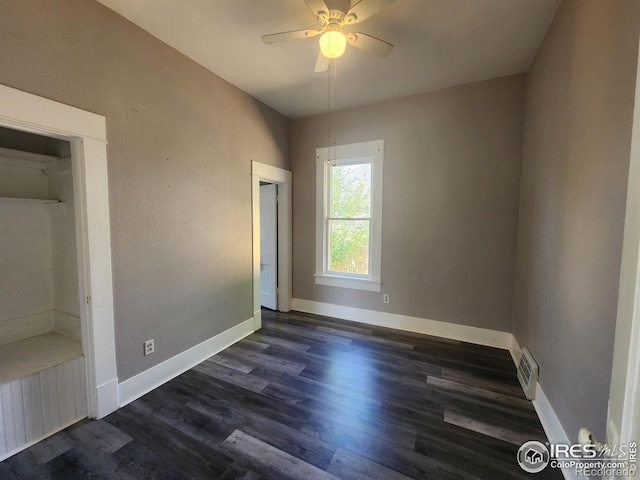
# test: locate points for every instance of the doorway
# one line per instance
(261, 172)
(269, 245)
(86, 133)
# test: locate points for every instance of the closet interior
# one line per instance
(42, 366)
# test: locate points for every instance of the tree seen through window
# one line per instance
(349, 218)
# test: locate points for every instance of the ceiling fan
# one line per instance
(333, 40)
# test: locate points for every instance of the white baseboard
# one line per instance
(465, 333)
(135, 387)
(548, 418)
(107, 398)
(552, 426)
(515, 350)
(257, 320)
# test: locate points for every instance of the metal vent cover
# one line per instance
(528, 373)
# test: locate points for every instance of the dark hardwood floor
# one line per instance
(309, 397)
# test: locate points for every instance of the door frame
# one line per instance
(625, 376)
(86, 132)
(281, 177)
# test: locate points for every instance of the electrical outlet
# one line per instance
(385, 298)
(148, 347)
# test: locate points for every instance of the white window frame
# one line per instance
(373, 151)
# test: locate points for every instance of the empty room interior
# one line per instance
(402, 244)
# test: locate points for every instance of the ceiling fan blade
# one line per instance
(364, 9)
(317, 6)
(322, 64)
(286, 36)
(369, 44)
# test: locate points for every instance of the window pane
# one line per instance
(349, 246)
(350, 191)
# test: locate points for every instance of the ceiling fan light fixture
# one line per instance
(333, 40)
(333, 43)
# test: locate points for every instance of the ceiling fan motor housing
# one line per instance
(334, 17)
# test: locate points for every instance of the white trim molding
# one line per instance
(28, 112)
(347, 282)
(91, 192)
(515, 350)
(261, 172)
(464, 333)
(552, 426)
(144, 382)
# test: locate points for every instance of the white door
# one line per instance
(269, 246)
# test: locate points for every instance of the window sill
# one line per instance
(347, 282)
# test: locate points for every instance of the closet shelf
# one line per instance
(41, 201)
(35, 354)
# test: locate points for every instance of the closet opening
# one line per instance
(43, 385)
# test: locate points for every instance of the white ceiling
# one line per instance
(438, 43)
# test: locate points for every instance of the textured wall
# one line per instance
(579, 105)
(450, 201)
(181, 141)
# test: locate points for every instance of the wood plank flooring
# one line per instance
(310, 397)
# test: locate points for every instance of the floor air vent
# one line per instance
(528, 373)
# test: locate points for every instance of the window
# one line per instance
(349, 215)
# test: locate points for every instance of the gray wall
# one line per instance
(180, 144)
(450, 201)
(577, 133)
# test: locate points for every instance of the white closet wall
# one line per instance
(38, 260)
(26, 282)
(63, 249)
(26, 264)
